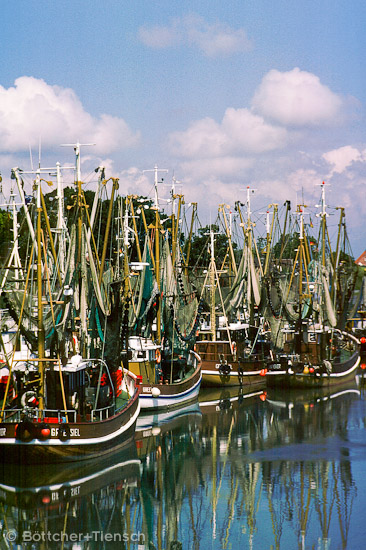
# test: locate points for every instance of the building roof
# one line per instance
(361, 260)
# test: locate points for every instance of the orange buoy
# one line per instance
(45, 432)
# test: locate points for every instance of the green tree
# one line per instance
(5, 233)
(200, 253)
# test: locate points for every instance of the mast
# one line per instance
(105, 244)
(41, 332)
(228, 234)
(60, 228)
(323, 215)
(16, 176)
(194, 210)
(288, 208)
(269, 235)
(156, 170)
(130, 202)
(212, 288)
(174, 229)
(157, 273)
(337, 256)
(300, 260)
(14, 256)
(101, 179)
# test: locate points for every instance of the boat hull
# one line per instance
(222, 366)
(84, 440)
(168, 396)
(212, 377)
(56, 485)
(214, 400)
(343, 373)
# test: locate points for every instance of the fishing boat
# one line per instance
(327, 357)
(164, 384)
(64, 503)
(155, 422)
(311, 346)
(233, 340)
(214, 400)
(63, 401)
(163, 317)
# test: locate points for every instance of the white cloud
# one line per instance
(221, 167)
(33, 109)
(218, 39)
(304, 179)
(343, 157)
(210, 190)
(159, 37)
(296, 98)
(134, 182)
(239, 132)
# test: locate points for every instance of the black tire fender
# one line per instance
(64, 432)
(25, 431)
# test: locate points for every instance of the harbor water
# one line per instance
(261, 469)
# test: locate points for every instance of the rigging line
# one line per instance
(231, 515)
(91, 232)
(54, 325)
(225, 460)
(223, 307)
(111, 232)
(19, 323)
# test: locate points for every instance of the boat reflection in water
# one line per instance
(238, 469)
(77, 505)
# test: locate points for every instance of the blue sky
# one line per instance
(268, 94)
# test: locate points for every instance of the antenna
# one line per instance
(31, 157)
(172, 192)
(249, 190)
(322, 204)
(156, 170)
(39, 151)
(76, 147)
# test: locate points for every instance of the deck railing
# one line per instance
(44, 415)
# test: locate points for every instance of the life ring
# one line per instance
(25, 431)
(64, 432)
(29, 399)
(75, 343)
(75, 400)
(233, 348)
(157, 356)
